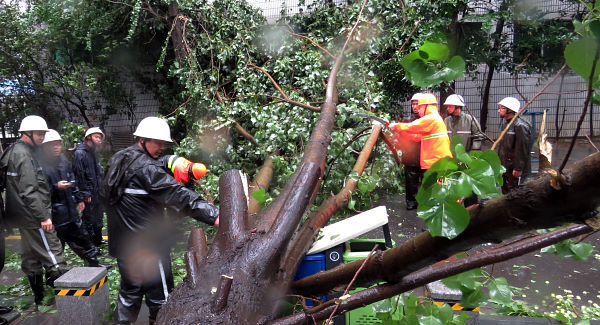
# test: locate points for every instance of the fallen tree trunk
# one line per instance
(535, 205)
(437, 272)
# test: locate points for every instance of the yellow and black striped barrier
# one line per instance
(455, 306)
(18, 237)
(79, 293)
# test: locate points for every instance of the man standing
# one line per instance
(66, 200)
(88, 174)
(514, 147)
(413, 174)
(435, 143)
(462, 124)
(28, 208)
(136, 189)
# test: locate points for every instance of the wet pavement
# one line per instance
(15, 290)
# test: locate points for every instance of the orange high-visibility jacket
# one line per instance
(435, 143)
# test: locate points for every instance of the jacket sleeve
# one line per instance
(164, 189)
(77, 194)
(80, 168)
(419, 126)
(522, 140)
(35, 197)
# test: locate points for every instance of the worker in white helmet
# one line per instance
(88, 174)
(514, 148)
(28, 208)
(461, 124)
(136, 189)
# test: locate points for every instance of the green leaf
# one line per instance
(448, 220)
(462, 154)
(469, 279)
(261, 196)
(445, 313)
(435, 51)
(580, 56)
(582, 250)
(500, 292)
(473, 299)
(430, 320)
(463, 186)
(483, 179)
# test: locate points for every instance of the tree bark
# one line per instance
(252, 259)
(535, 205)
(437, 272)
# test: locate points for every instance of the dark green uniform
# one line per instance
(27, 205)
(467, 128)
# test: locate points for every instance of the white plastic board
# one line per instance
(349, 228)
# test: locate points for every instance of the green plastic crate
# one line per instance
(358, 249)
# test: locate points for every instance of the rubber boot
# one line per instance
(36, 282)
(93, 262)
(50, 277)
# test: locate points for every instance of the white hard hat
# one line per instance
(456, 100)
(92, 131)
(33, 123)
(153, 127)
(416, 96)
(511, 103)
(52, 135)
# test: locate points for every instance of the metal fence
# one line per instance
(564, 100)
(273, 10)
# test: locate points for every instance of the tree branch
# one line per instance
(532, 206)
(233, 225)
(304, 238)
(440, 271)
(197, 250)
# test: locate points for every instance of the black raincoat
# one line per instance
(87, 170)
(515, 146)
(64, 206)
(135, 190)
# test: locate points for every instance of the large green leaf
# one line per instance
(500, 292)
(462, 186)
(462, 154)
(468, 279)
(580, 56)
(432, 51)
(483, 179)
(430, 65)
(449, 220)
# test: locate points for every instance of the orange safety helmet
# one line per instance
(427, 99)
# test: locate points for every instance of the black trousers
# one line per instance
(155, 285)
(78, 239)
(413, 176)
(92, 220)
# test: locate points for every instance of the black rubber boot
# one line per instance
(51, 276)
(93, 262)
(37, 286)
